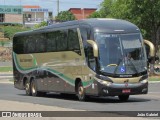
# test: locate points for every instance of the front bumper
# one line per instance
(115, 89)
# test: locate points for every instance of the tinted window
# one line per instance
(31, 44)
(40, 43)
(18, 45)
(51, 42)
(86, 35)
(61, 40)
(73, 40)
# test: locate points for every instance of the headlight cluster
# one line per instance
(104, 80)
(144, 79)
(106, 83)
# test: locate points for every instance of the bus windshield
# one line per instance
(121, 54)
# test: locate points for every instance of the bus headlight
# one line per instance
(144, 81)
(106, 83)
(105, 78)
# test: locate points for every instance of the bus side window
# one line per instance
(73, 41)
(61, 40)
(91, 58)
(31, 44)
(18, 46)
(86, 35)
(40, 43)
(51, 42)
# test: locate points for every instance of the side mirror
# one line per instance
(95, 47)
(151, 46)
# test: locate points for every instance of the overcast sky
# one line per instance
(52, 4)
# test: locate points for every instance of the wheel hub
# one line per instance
(81, 90)
(33, 88)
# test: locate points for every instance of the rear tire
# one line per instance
(34, 91)
(28, 88)
(123, 98)
(81, 92)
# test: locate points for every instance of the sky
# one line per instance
(52, 4)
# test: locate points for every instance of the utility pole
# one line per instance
(57, 7)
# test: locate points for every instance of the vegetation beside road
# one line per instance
(10, 30)
(6, 69)
(154, 78)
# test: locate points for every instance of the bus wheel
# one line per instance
(123, 98)
(81, 92)
(28, 87)
(34, 91)
(34, 88)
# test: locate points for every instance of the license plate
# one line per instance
(126, 91)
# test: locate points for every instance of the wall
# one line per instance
(81, 13)
(13, 18)
(39, 16)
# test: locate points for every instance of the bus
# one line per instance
(90, 57)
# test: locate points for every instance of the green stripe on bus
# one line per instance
(65, 78)
(21, 68)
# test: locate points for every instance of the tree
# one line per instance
(65, 16)
(147, 17)
(42, 24)
(95, 14)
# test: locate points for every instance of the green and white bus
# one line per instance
(99, 57)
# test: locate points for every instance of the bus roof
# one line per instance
(107, 25)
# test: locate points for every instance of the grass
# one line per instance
(6, 69)
(154, 78)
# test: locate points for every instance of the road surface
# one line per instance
(14, 99)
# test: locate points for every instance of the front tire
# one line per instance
(81, 92)
(123, 98)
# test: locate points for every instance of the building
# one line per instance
(11, 14)
(82, 13)
(36, 13)
(27, 15)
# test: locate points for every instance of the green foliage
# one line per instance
(95, 15)
(42, 24)
(9, 30)
(2, 43)
(147, 16)
(65, 16)
(6, 69)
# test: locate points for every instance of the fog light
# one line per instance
(144, 90)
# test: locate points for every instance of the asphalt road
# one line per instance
(149, 102)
